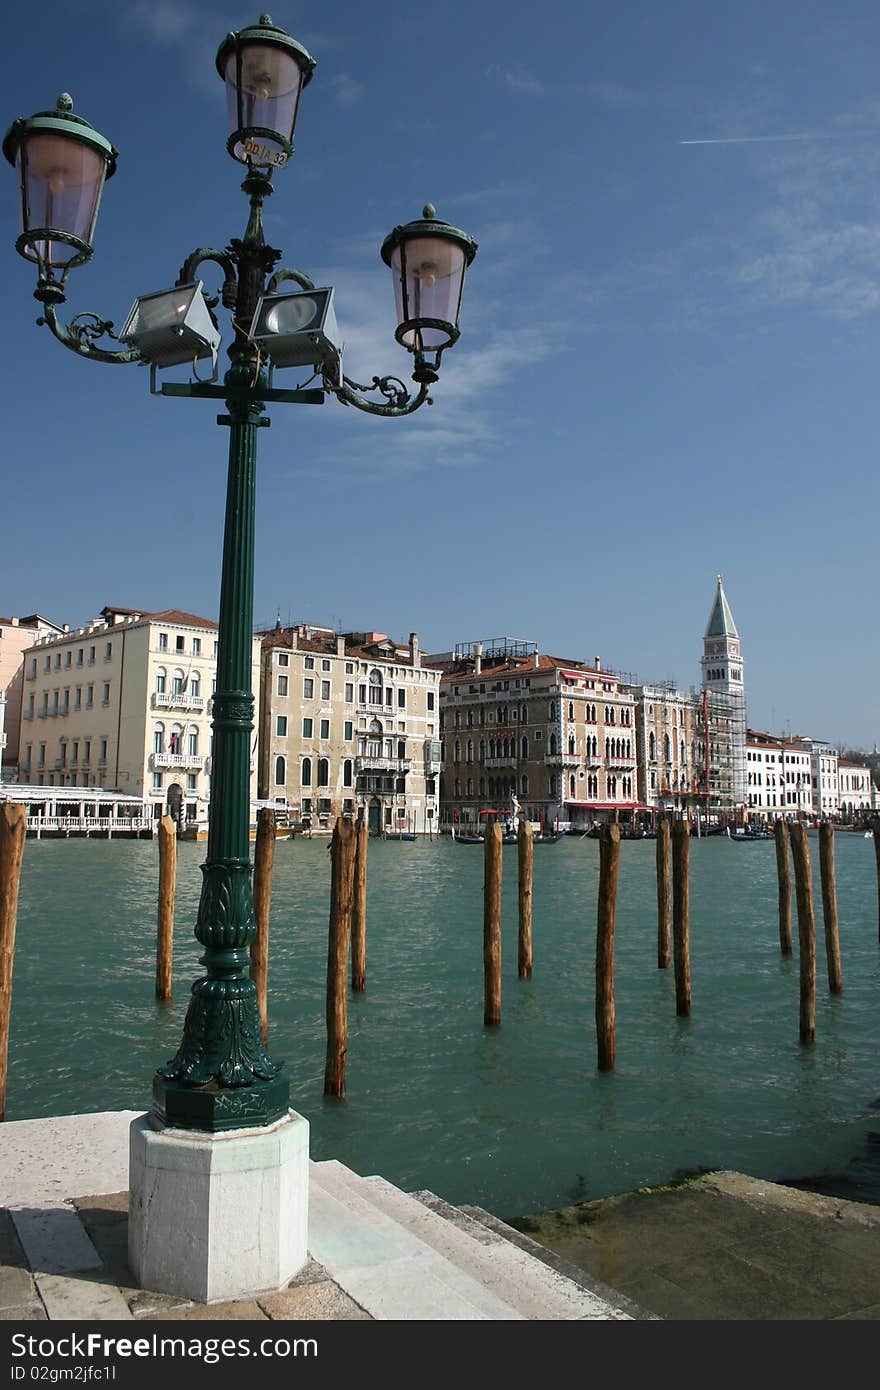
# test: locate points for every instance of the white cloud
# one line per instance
(517, 79)
(346, 90)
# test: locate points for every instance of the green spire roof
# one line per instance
(721, 622)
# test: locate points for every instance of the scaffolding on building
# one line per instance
(494, 650)
(721, 752)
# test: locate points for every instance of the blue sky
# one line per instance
(669, 357)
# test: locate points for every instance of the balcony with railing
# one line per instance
(374, 763)
(189, 760)
(622, 763)
(562, 760)
(505, 760)
(162, 699)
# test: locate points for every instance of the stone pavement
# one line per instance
(375, 1252)
(725, 1246)
(716, 1247)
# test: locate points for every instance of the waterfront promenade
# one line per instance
(722, 1246)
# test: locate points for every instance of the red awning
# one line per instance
(490, 812)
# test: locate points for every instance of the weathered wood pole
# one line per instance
(165, 927)
(13, 829)
(663, 894)
(264, 853)
(342, 852)
(877, 856)
(359, 910)
(829, 907)
(681, 911)
(609, 860)
(783, 878)
(526, 851)
(803, 883)
(492, 926)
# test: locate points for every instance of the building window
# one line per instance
(158, 738)
(325, 728)
(102, 756)
(308, 688)
(68, 656)
(430, 699)
(193, 743)
(161, 679)
(163, 641)
(375, 684)
(77, 698)
(306, 772)
(197, 646)
(307, 728)
(323, 772)
(191, 781)
(346, 773)
(87, 750)
(325, 690)
(157, 781)
(281, 725)
(349, 692)
(280, 772)
(401, 698)
(282, 685)
(283, 659)
(348, 730)
(105, 695)
(90, 696)
(309, 663)
(108, 651)
(178, 642)
(325, 664)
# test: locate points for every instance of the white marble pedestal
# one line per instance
(216, 1216)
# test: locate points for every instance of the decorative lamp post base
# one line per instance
(221, 1216)
(215, 1109)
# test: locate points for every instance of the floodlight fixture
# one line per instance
(298, 330)
(172, 326)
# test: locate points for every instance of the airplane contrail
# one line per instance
(760, 139)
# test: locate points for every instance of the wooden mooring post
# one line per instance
(13, 830)
(609, 860)
(342, 852)
(783, 879)
(829, 907)
(663, 894)
(359, 909)
(681, 912)
(526, 855)
(264, 855)
(492, 926)
(165, 924)
(803, 883)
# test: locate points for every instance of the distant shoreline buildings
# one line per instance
(114, 719)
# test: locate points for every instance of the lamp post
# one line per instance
(222, 1077)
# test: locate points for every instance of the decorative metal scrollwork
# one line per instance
(398, 400)
(82, 334)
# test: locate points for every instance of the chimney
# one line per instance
(536, 660)
(597, 663)
(14, 622)
(340, 644)
(478, 658)
(414, 653)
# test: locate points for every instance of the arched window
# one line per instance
(571, 709)
(482, 786)
(192, 741)
(470, 750)
(161, 680)
(652, 746)
(666, 747)
(552, 743)
(524, 715)
(401, 748)
(346, 773)
(375, 684)
(458, 786)
(158, 738)
(323, 772)
(280, 771)
(682, 756)
(457, 752)
(551, 710)
(525, 785)
(306, 778)
(571, 743)
(176, 739)
(177, 683)
(470, 786)
(491, 748)
(524, 746)
(571, 786)
(195, 684)
(482, 750)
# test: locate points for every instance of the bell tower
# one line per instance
(722, 655)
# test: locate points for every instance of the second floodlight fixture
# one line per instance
(298, 330)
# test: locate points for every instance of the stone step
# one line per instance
(533, 1288)
(389, 1272)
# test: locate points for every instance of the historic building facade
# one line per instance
(526, 731)
(124, 703)
(16, 635)
(350, 724)
(668, 733)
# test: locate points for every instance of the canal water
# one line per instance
(515, 1118)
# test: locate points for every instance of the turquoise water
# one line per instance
(515, 1118)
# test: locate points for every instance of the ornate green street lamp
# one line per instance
(222, 1076)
